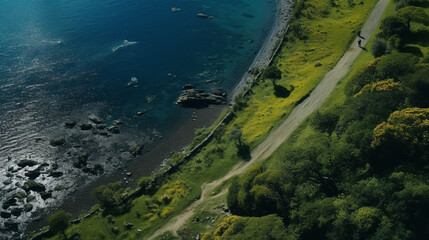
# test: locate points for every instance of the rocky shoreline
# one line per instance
(190, 97)
(30, 185)
(269, 49)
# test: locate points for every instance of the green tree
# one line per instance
(59, 222)
(109, 195)
(243, 148)
(273, 73)
(395, 65)
(378, 48)
(393, 25)
(325, 122)
(405, 135)
(413, 14)
(417, 86)
(258, 228)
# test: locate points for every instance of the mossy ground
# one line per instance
(328, 32)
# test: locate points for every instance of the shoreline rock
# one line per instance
(198, 98)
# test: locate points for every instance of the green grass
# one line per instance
(335, 99)
(329, 36)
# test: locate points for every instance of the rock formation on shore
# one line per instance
(197, 98)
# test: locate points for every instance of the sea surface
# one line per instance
(74, 60)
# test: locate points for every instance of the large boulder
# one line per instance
(16, 211)
(4, 214)
(85, 127)
(25, 163)
(113, 129)
(136, 149)
(81, 160)
(45, 195)
(21, 195)
(33, 174)
(28, 207)
(34, 186)
(197, 98)
(11, 226)
(70, 124)
(10, 201)
(56, 174)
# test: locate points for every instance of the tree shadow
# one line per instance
(419, 37)
(244, 151)
(413, 50)
(280, 91)
(423, 4)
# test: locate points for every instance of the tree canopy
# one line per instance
(413, 14)
(273, 73)
(59, 221)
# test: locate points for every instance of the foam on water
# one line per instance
(125, 43)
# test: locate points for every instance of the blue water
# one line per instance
(65, 60)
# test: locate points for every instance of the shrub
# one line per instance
(378, 48)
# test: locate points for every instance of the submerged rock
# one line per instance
(55, 174)
(85, 127)
(93, 169)
(81, 160)
(70, 124)
(95, 120)
(113, 129)
(136, 149)
(202, 15)
(101, 126)
(118, 122)
(11, 226)
(57, 142)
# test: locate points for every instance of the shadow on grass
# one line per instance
(280, 91)
(244, 152)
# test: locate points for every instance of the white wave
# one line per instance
(124, 44)
(53, 42)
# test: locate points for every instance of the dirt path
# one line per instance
(278, 136)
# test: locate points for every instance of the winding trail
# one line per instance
(280, 134)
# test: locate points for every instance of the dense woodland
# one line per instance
(358, 170)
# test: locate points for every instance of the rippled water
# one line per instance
(69, 60)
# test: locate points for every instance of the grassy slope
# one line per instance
(336, 98)
(328, 38)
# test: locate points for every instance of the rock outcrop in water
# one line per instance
(202, 15)
(197, 98)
